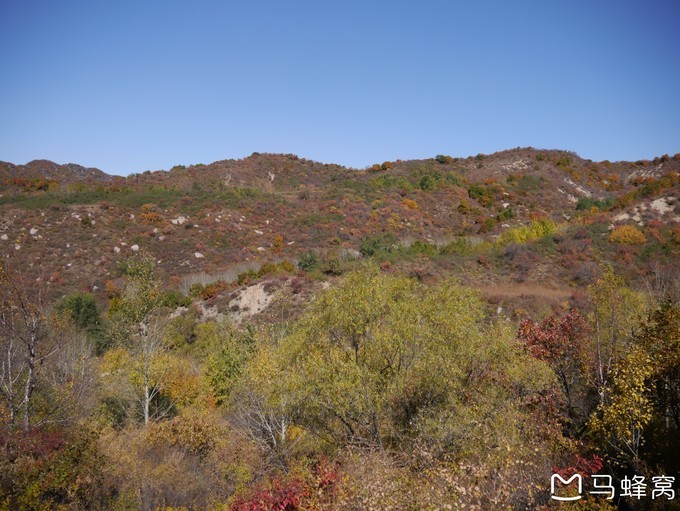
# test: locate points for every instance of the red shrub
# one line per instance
(584, 466)
(311, 492)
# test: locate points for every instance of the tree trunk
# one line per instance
(30, 380)
(147, 400)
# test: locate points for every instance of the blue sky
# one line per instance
(128, 86)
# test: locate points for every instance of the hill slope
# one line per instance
(205, 219)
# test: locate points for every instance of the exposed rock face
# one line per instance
(251, 300)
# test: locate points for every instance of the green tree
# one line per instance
(660, 340)
(141, 294)
(139, 324)
(627, 410)
(382, 360)
(81, 309)
(227, 351)
(616, 316)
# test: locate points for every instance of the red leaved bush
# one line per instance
(35, 442)
(556, 340)
(562, 343)
(313, 492)
(584, 466)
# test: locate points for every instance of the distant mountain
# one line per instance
(50, 171)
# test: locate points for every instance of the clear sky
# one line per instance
(128, 86)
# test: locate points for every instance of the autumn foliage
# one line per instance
(627, 235)
(313, 490)
(279, 334)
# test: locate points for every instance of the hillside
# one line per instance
(206, 220)
(278, 333)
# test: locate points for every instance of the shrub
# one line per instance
(487, 225)
(312, 491)
(429, 182)
(627, 235)
(651, 187)
(286, 266)
(195, 432)
(207, 292)
(111, 289)
(422, 247)
(443, 159)
(150, 218)
(587, 204)
(387, 181)
(174, 299)
(378, 244)
(674, 234)
(332, 264)
(563, 161)
(454, 179)
(482, 194)
(525, 233)
(506, 214)
(459, 246)
(410, 204)
(247, 276)
(296, 285)
(81, 309)
(528, 183)
(463, 246)
(464, 207)
(308, 261)
(266, 268)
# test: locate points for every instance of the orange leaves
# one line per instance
(151, 218)
(410, 204)
(627, 235)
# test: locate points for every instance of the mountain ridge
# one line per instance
(50, 171)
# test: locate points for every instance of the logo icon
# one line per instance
(579, 484)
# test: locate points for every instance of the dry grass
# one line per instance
(228, 275)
